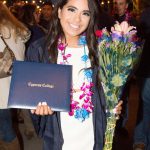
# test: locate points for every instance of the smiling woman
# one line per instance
(71, 40)
(74, 19)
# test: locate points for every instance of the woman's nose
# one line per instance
(77, 17)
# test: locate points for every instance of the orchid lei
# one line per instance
(127, 16)
(79, 110)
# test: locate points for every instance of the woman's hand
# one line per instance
(118, 108)
(42, 109)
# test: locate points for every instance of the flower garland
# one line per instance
(128, 16)
(80, 112)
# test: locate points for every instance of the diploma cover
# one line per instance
(34, 82)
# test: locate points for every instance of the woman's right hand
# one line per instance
(42, 109)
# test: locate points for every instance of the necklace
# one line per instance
(83, 107)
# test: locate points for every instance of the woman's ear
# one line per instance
(59, 13)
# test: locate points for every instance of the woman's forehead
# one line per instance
(81, 4)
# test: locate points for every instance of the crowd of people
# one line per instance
(35, 35)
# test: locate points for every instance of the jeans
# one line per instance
(142, 130)
(7, 133)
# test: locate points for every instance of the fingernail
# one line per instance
(39, 104)
(44, 103)
(32, 111)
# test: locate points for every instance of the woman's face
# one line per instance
(74, 17)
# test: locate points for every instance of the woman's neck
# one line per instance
(72, 41)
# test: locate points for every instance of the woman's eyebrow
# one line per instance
(77, 8)
(72, 7)
(87, 11)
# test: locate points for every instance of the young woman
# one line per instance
(73, 22)
(14, 33)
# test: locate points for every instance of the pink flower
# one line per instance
(64, 57)
(81, 96)
(90, 93)
(87, 100)
(68, 55)
(71, 113)
(122, 28)
(91, 84)
(62, 46)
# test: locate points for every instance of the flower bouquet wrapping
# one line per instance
(119, 52)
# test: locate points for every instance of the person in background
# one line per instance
(45, 16)
(72, 20)
(142, 129)
(15, 34)
(29, 18)
(16, 10)
(121, 12)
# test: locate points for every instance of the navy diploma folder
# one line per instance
(34, 82)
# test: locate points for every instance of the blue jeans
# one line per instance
(7, 133)
(142, 130)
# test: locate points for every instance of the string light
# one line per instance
(102, 3)
(4, 2)
(37, 2)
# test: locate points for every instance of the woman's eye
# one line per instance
(71, 9)
(86, 14)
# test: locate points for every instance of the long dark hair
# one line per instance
(56, 31)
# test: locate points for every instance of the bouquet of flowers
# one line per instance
(119, 52)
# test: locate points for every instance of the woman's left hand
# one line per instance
(118, 108)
